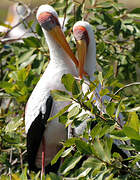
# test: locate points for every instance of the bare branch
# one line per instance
(126, 86)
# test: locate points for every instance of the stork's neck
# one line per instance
(57, 55)
(90, 64)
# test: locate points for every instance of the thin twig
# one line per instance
(122, 88)
(125, 168)
(65, 14)
(10, 160)
(77, 2)
(21, 159)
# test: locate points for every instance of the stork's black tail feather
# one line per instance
(35, 133)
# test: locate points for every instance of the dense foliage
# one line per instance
(117, 34)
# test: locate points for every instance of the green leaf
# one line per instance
(78, 16)
(133, 121)
(28, 61)
(92, 2)
(83, 147)
(96, 130)
(108, 146)
(136, 159)
(75, 88)
(103, 92)
(105, 4)
(118, 110)
(73, 112)
(24, 174)
(67, 151)
(67, 80)
(117, 27)
(53, 176)
(131, 133)
(83, 117)
(63, 118)
(13, 125)
(92, 163)
(32, 42)
(100, 151)
(84, 173)
(109, 72)
(119, 135)
(59, 5)
(100, 77)
(59, 95)
(15, 177)
(110, 109)
(136, 143)
(70, 163)
(70, 142)
(57, 156)
(62, 111)
(39, 30)
(5, 85)
(24, 57)
(135, 11)
(108, 19)
(127, 147)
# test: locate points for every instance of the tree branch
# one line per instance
(126, 86)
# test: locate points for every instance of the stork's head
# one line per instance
(48, 19)
(84, 37)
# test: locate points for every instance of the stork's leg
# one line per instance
(43, 155)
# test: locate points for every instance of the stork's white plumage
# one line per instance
(43, 136)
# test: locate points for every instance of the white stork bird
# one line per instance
(86, 48)
(43, 138)
(86, 51)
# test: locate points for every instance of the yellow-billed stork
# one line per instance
(43, 138)
(86, 49)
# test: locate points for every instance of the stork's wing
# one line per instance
(35, 133)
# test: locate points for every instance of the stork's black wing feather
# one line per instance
(35, 133)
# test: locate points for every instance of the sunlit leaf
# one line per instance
(67, 80)
(70, 163)
(133, 121)
(59, 95)
(13, 125)
(67, 151)
(24, 57)
(73, 112)
(57, 156)
(62, 111)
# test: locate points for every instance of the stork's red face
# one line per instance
(50, 23)
(82, 41)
